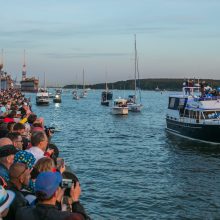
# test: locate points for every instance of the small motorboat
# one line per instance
(42, 97)
(120, 107)
(57, 98)
(106, 98)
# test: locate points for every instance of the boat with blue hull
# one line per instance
(194, 117)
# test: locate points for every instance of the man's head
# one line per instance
(5, 141)
(39, 139)
(16, 139)
(47, 186)
(32, 118)
(18, 127)
(19, 174)
(7, 154)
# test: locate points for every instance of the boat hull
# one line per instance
(57, 100)
(120, 110)
(76, 97)
(202, 132)
(105, 103)
(42, 103)
(135, 107)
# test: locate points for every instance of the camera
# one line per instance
(66, 183)
(70, 177)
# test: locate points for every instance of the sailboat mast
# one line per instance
(135, 65)
(83, 81)
(44, 82)
(139, 83)
(106, 87)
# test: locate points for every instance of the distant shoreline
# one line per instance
(147, 84)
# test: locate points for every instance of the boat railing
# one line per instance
(215, 121)
(190, 90)
(207, 98)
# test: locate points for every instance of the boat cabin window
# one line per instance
(211, 115)
(191, 114)
(176, 103)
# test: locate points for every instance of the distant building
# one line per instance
(6, 81)
(28, 84)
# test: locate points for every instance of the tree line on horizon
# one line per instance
(147, 84)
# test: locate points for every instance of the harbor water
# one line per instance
(128, 166)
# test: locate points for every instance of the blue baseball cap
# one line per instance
(48, 182)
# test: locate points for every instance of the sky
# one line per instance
(175, 39)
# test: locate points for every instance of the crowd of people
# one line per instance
(35, 183)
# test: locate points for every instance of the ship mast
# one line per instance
(24, 71)
(1, 64)
(1, 67)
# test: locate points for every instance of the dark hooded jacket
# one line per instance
(50, 212)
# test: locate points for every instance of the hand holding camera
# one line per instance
(75, 192)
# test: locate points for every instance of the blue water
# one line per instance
(128, 166)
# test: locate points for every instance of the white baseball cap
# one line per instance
(6, 198)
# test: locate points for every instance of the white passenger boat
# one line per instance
(194, 116)
(42, 97)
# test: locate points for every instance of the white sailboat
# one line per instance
(75, 92)
(132, 101)
(106, 96)
(84, 91)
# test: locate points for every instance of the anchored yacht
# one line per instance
(194, 116)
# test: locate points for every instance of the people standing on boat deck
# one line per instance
(202, 88)
(19, 175)
(190, 85)
(185, 84)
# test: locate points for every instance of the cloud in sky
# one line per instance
(71, 34)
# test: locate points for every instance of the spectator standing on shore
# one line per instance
(6, 198)
(39, 142)
(47, 190)
(7, 154)
(16, 139)
(19, 175)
